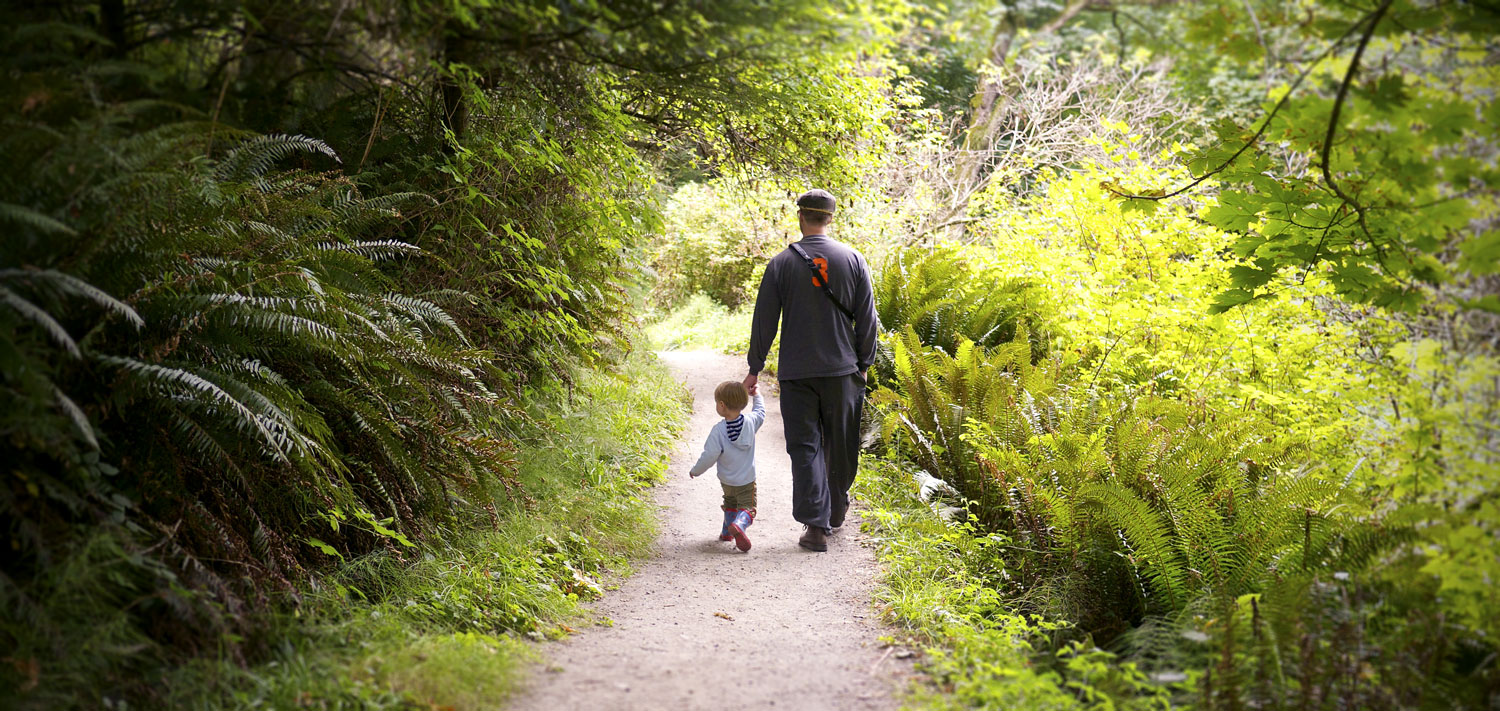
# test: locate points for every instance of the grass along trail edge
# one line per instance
(451, 626)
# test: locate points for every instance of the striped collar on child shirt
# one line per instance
(732, 427)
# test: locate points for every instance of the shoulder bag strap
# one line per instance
(819, 281)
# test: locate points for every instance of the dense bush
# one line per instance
(540, 229)
(1207, 528)
(290, 403)
(713, 245)
(1399, 405)
(1240, 507)
(1142, 520)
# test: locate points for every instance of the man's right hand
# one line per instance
(750, 383)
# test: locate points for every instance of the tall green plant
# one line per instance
(934, 395)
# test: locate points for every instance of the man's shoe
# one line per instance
(836, 518)
(814, 539)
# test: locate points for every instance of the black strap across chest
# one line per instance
(819, 280)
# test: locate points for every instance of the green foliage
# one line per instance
(273, 397)
(744, 83)
(944, 297)
(935, 395)
(1148, 520)
(1195, 500)
(538, 228)
(716, 243)
(949, 585)
(1368, 395)
(941, 585)
(1375, 171)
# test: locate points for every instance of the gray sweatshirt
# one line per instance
(736, 457)
(817, 340)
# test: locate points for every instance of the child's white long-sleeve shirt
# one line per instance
(736, 457)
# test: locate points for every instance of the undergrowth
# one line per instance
(446, 629)
(937, 587)
(1111, 539)
(1116, 546)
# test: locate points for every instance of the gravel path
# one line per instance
(704, 626)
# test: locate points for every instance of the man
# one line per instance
(822, 299)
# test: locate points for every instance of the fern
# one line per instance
(261, 343)
(188, 387)
(27, 217)
(1120, 505)
(374, 250)
(944, 298)
(40, 317)
(77, 415)
(253, 159)
(426, 313)
(66, 285)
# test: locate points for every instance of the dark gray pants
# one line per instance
(821, 416)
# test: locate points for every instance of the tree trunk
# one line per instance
(455, 110)
(112, 26)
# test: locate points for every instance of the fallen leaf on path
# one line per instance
(724, 615)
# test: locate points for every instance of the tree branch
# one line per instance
(946, 224)
(1260, 35)
(1338, 106)
(1266, 122)
(1068, 13)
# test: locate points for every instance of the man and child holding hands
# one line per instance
(818, 292)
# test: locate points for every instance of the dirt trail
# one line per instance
(704, 626)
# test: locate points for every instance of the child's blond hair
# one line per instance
(732, 394)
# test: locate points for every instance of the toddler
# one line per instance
(731, 443)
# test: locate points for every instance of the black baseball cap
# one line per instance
(817, 201)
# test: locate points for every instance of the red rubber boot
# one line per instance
(742, 520)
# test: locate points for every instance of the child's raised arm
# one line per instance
(758, 412)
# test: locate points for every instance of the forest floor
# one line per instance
(703, 626)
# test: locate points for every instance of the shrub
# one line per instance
(944, 297)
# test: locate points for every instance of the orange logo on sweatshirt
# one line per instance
(822, 269)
